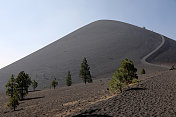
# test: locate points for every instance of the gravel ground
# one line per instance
(69, 101)
(59, 102)
(155, 96)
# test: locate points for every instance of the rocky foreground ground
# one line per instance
(155, 96)
(58, 102)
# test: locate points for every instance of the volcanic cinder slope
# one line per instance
(104, 43)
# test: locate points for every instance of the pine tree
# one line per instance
(34, 85)
(11, 86)
(12, 92)
(85, 72)
(13, 101)
(54, 83)
(124, 75)
(143, 71)
(68, 79)
(128, 70)
(117, 82)
(23, 82)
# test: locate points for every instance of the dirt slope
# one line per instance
(104, 43)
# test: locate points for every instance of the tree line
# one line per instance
(17, 88)
(126, 74)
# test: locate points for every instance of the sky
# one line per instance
(28, 25)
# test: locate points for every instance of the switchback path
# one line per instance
(143, 60)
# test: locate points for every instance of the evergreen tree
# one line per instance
(12, 92)
(34, 85)
(23, 82)
(143, 71)
(11, 86)
(68, 79)
(117, 82)
(85, 72)
(128, 70)
(54, 83)
(13, 101)
(124, 75)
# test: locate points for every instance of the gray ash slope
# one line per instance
(104, 43)
(154, 97)
(166, 55)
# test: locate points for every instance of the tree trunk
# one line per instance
(121, 89)
(13, 108)
(22, 94)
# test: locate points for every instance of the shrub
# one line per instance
(143, 71)
(54, 83)
(172, 67)
(135, 81)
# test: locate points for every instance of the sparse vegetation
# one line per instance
(117, 82)
(23, 82)
(34, 85)
(124, 75)
(12, 92)
(14, 101)
(11, 86)
(54, 83)
(143, 71)
(172, 67)
(68, 79)
(85, 72)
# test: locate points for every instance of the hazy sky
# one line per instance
(28, 25)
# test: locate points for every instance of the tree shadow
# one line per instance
(13, 110)
(19, 109)
(135, 88)
(34, 91)
(33, 98)
(91, 115)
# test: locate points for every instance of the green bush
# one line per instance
(135, 81)
(143, 71)
(54, 83)
(172, 67)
